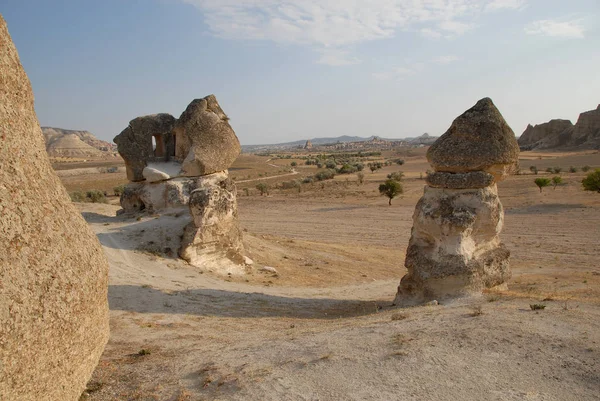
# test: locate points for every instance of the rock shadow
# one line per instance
(547, 208)
(222, 303)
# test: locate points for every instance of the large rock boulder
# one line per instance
(134, 143)
(53, 273)
(205, 140)
(478, 140)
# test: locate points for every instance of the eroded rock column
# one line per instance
(455, 248)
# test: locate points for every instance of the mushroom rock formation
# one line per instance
(187, 166)
(455, 249)
(53, 273)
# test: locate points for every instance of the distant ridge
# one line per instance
(71, 143)
(424, 139)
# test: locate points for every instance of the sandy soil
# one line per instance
(322, 328)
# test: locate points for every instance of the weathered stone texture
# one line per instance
(205, 140)
(454, 248)
(477, 140)
(53, 273)
(475, 179)
(214, 232)
(547, 135)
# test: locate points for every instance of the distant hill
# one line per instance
(79, 144)
(424, 139)
(562, 134)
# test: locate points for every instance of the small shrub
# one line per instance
(533, 169)
(95, 196)
(592, 181)
(537, 306)
(556, 180)
(347, 169)
(325, 175)
(585, 169)
(247, 191)
(77, 196)
(397, 176)
(573, 169)
(330, 164)
(144, 351)
(542, 182)
(308, 180)
(476, 311)
(263, 188)
(549, 170)
(293, 164)
(118, 190)
(400, 162)
(556, 170)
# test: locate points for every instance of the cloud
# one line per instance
(562, 29)
(332, 26)
(505, 4)
(446, 59)
(337, 57)
(398, 73)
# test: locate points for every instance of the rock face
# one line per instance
(455, 249)
(214, 234)
(548, 135)
(477, 140)
(53, 273)
(308, 145)
(208, 144)
(562, 134)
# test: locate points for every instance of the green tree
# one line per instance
(592, 181)
(556, 170)
(556, 180)
(391, 189)
(373, 167)
(263, 188)
(293, 164)
(573, 169)
(542, 182)
(585, 169)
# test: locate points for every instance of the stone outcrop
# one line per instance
(477, 140)
(53, 273)
(308, 145)
(562, 134)
(455, 249)
(71, 143)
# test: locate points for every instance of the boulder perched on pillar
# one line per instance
(455, 248)
(53, 272)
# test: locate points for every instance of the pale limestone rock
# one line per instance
(213, 238)
(53, 273)
(154, 175)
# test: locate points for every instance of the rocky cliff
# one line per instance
(562, 134)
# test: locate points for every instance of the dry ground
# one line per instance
(322, 328)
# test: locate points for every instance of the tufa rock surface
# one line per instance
(454, 249)
(53, 273)
(476, 179)
(477, 140)
(587, 130)
(208, 144)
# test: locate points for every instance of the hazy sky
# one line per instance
(285, 70)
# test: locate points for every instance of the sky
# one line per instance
(286, 70)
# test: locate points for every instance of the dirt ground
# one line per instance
(323, 328)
